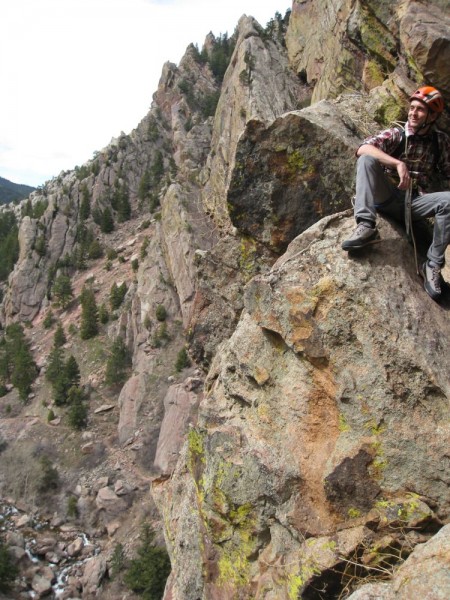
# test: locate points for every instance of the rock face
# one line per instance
(353, 45)
(324, 412)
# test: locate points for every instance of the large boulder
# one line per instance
(292, 172)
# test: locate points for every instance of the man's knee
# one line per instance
(444, 203)
(365, 160)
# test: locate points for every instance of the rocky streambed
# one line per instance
(55, 559)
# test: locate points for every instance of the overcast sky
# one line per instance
(76, 73)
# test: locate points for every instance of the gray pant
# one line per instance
(376, 192)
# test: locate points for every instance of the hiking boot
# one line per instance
(432, 280)
(363, 235)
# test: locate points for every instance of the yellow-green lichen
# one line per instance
(295, 581)
(196, 444)
(374, 427)
(343, 425)
(196, 457)
(296, 162)
(294, 585)
(234, 565)
(248, 256)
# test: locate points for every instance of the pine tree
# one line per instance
(85, 205)
(118, 363)
(107, 221)
(78, 412)
(59, 339)
(62, 290)
(63, 376)
(8, 568)
(144, 185)
(103, 314)
(55, 364)
(48, 319)
(21, 366)
(117, 294)
(183, 360)
(117, 560)
(89, 314)
(72, 371)
(24, 372)
(148, 572)
(157, 169)
(121, 203)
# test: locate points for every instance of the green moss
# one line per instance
(353, 513)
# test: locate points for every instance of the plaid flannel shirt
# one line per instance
(419, 154)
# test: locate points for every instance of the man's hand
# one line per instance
(403, 173)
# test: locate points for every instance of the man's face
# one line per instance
(418, 113)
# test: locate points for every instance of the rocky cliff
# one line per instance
(301, 451)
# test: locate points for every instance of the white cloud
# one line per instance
(75, 73)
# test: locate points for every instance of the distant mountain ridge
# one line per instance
(11, 192)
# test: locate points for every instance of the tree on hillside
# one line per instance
(72, 371)
(89, 314)
(157, 168)
(9, 243)
(149, 571)
(8, 568)
(67, 377)
(24, 371)
(107, 221)
(55, 364)
(121, 202)
(18, 364)
(145, 185)
(118, 363)
(59, 338)
(85, 205)
(62, 291)
(117, 294)
(78, 411)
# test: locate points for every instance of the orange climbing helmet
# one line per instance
(431, 97)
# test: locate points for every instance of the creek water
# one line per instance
(62, 563)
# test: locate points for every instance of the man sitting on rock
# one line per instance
(394, 171)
